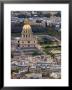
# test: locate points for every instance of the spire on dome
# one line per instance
(26, 21)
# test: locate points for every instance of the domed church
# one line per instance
(27, 38)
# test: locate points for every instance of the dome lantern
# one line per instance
(26, 22)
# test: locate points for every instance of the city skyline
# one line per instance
(35, 46)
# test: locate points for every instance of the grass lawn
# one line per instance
(48, 48)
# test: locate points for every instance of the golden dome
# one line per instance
(26, 27)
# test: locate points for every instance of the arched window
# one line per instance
(18, 41)
(28, 41)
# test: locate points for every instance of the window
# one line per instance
(18, 41)
(28, 41)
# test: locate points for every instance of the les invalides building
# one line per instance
(27, 39)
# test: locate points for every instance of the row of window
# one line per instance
(27, 45)
(26, 31)
(28, 42)
(26, 35)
